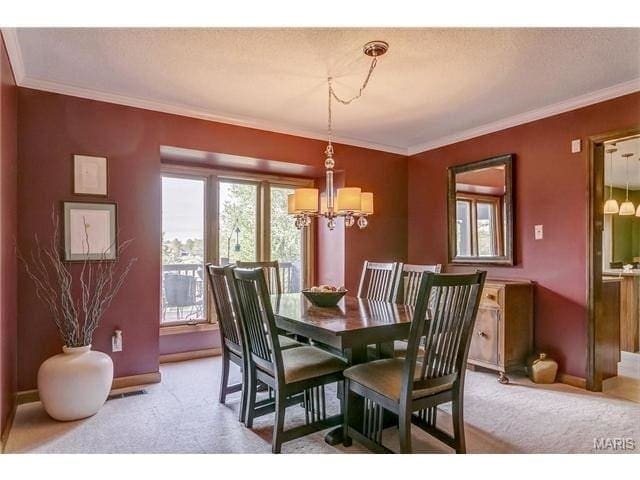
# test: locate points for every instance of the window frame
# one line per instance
(205, 243)
(264, 182)
(470, 229)
(496, 220)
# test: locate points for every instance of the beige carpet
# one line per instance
(182, 415)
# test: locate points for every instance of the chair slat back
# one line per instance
(271, 271)
(224, 305)
(287, 277)
(444, 315)
(409, 283)
(379, 281)
(256, 317)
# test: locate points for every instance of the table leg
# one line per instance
(355, 356)
(386, 350)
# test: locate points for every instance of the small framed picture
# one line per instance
(89, 175)
(90, 231)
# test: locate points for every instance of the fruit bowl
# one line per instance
(324, 299)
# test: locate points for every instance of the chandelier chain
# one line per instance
(333, 94)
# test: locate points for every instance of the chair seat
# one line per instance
(288, 342)
(303, 363)
(234, 348)
(385, 378)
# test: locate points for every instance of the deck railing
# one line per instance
(184, 289)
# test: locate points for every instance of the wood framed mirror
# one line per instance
(480, 212)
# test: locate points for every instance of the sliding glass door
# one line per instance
(219, 218)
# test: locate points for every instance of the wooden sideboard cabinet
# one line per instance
(503, 333)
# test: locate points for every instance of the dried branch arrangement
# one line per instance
(76, 310)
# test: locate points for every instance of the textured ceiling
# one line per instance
(431, 84)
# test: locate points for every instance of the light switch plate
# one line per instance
(576, 146)
(538, 232)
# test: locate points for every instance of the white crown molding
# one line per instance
(565, 106)
(10, 36)
(188, 111)
(17, 64)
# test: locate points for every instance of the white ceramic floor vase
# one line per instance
(75, 384)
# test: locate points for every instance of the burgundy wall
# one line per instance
(8, 233)
(52, 127)
(330, 249)
(551, 188)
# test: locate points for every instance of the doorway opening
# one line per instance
(613, 353)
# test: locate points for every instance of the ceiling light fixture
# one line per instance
(627, 207)
(611, 205)
(351, 202)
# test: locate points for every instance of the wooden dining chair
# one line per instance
(230, 333)
(379, 281)
(294, 374)
(271, 272)
(232, 336)
(410, 276)
(426, 377)
(407, 293)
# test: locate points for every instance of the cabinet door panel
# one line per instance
(484, 342)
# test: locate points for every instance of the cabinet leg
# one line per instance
(503, 378)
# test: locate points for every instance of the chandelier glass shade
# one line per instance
(349, 203)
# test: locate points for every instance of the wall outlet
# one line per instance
(538, 232)
(116, 341)
(576, 146)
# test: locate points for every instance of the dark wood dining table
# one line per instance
(349, 328)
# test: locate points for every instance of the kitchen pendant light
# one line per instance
(350, 203)
(611, 205)
(627, 207)
(638, 209)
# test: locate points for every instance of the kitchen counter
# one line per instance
(629, 306)
(618, 272)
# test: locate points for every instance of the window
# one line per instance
(183, 250)
(247, 218)
(480, 225)
(286, 241)
(463, 212)
(237, 221)
(486, 228)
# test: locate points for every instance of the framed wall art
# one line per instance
(89, 175)
(90, 231)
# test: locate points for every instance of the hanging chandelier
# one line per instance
(350, 203)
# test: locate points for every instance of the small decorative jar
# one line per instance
(543, 369)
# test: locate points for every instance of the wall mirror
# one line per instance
(480, 212)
